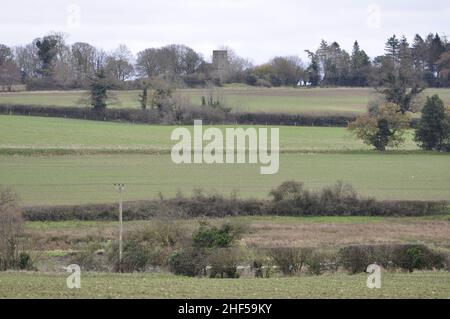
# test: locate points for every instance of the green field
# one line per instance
(84, 179)
(38, 133)
(316, 156)
(426, 285)
(284, 100)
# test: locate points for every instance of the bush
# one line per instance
(382, 255)
(339, 199)
(290, 260)
(25, 262)
(189, 261)
(262, 268)
(87, 259)
(11, 229)
(383, 127)
(319, 262)
(356, 259)
(162, 232)
(224, 263)
(416, 257)
(291, 199)
(135, 257)
(213, 237)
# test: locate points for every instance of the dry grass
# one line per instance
(264, 232)
(268, 234)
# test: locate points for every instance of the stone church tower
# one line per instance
(220, 63)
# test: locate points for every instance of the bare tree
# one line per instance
(11, 228)
(172, 60)
(9, 75)
(9, 72)
(120, 63)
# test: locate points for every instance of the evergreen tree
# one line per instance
(433, 132)
(313, 70)
(98, 90)
(360, 66)
(143, 97)
(392, 48)
(419, 54)
(47, 51)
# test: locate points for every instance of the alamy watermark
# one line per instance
(238, 146)
(373, 16)
(374, 279)
(73, 20)
(74, 280)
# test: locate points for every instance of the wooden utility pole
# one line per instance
(120, 188)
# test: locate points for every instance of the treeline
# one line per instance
(51, 63)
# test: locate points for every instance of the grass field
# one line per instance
(317, 156)
(394, 285)
(284, 100)
(39, 133)
(83, 179)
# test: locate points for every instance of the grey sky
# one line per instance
(258, 29)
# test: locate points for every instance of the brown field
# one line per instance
(266, 232)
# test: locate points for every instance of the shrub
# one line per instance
(290, 198)
(356, 259)
(162, 232)
(135, 256)
(416, 257)
(224, 263)
(213, 237)
(383, 127)
(382, 255)
(290, 260)
(262, 268)
(188, 261)
(86, 258)
(25, 262)
(339, 199)
(319, 262)
(11, 229)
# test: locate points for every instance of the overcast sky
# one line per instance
(258, 29)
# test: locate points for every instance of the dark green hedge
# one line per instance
(184, 116)
(217, 206)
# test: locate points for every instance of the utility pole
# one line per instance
(120, 188)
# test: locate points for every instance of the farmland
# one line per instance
(87, 179)
(56, 161)
(37, 133)
(316, 156)
(280, 100)
(395, 285)
(270, 231)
